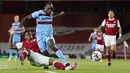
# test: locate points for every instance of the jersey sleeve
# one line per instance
(23, 27)
(91, 35)
(52, 13)
(19, 45)
(35, 14)
(103, 23)
(118, 23)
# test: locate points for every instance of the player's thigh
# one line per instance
(102, 48)
(15, 40)
(99, 47)
(107, 40)
(42, 43)
(113, 43)
(51, 41)
(39, 58)
(93, 46)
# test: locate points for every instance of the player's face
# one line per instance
(49, 9)
(16, 18)
(28, 36)
(111, 14)
(95, 30)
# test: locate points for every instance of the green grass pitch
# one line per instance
(84, 66)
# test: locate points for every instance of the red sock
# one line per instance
(109, 57)
(59, 65)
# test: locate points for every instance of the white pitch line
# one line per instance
(50, 72)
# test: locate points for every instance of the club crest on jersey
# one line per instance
(114, 22)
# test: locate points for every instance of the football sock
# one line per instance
(58, 65)
(61, 56)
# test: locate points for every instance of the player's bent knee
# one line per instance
(51, 43)
(113, 47)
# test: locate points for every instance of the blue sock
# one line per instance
(61, 56)
(10, 52)
(16, 53)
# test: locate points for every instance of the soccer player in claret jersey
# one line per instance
(112, 26)
(44, 30)
(31, 50)
(99, 41)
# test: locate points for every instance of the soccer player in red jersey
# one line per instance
(31, 50)
(112, 26)
(99, 41)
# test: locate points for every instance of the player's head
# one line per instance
(95, 30)
(28, 35)
(111, 14)
(16, 18)
(48, 7)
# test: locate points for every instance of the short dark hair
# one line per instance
(48, 3)
(26, 32)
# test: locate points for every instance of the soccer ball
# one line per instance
(96, 56)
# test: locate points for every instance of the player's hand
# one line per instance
(11, 31)
(20, 26)
(62, 13)
(119, 37)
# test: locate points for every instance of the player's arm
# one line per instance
(119, 29)
(30, 16)
(90, 38)
(102, 25)
(21, 31)
(58, 15)
(24, 19)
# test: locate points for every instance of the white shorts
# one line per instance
(110, 40)
(37, 59)
(100, 47)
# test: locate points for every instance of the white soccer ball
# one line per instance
(96, 56)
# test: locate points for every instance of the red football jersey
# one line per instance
(111, 26)
(99, 38)
(31, 44)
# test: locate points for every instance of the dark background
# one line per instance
(78, 13)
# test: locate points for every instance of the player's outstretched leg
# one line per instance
(58, 52)
(61, 66)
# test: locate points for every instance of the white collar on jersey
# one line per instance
(111, 19)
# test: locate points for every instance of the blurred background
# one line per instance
(71, 31)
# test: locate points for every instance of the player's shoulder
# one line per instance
(106, 19)
(39, 11)
(116, 19)
(13, 24)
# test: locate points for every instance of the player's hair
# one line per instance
(48, 3)
(16, 15)
(111, 11)
(27, 31)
